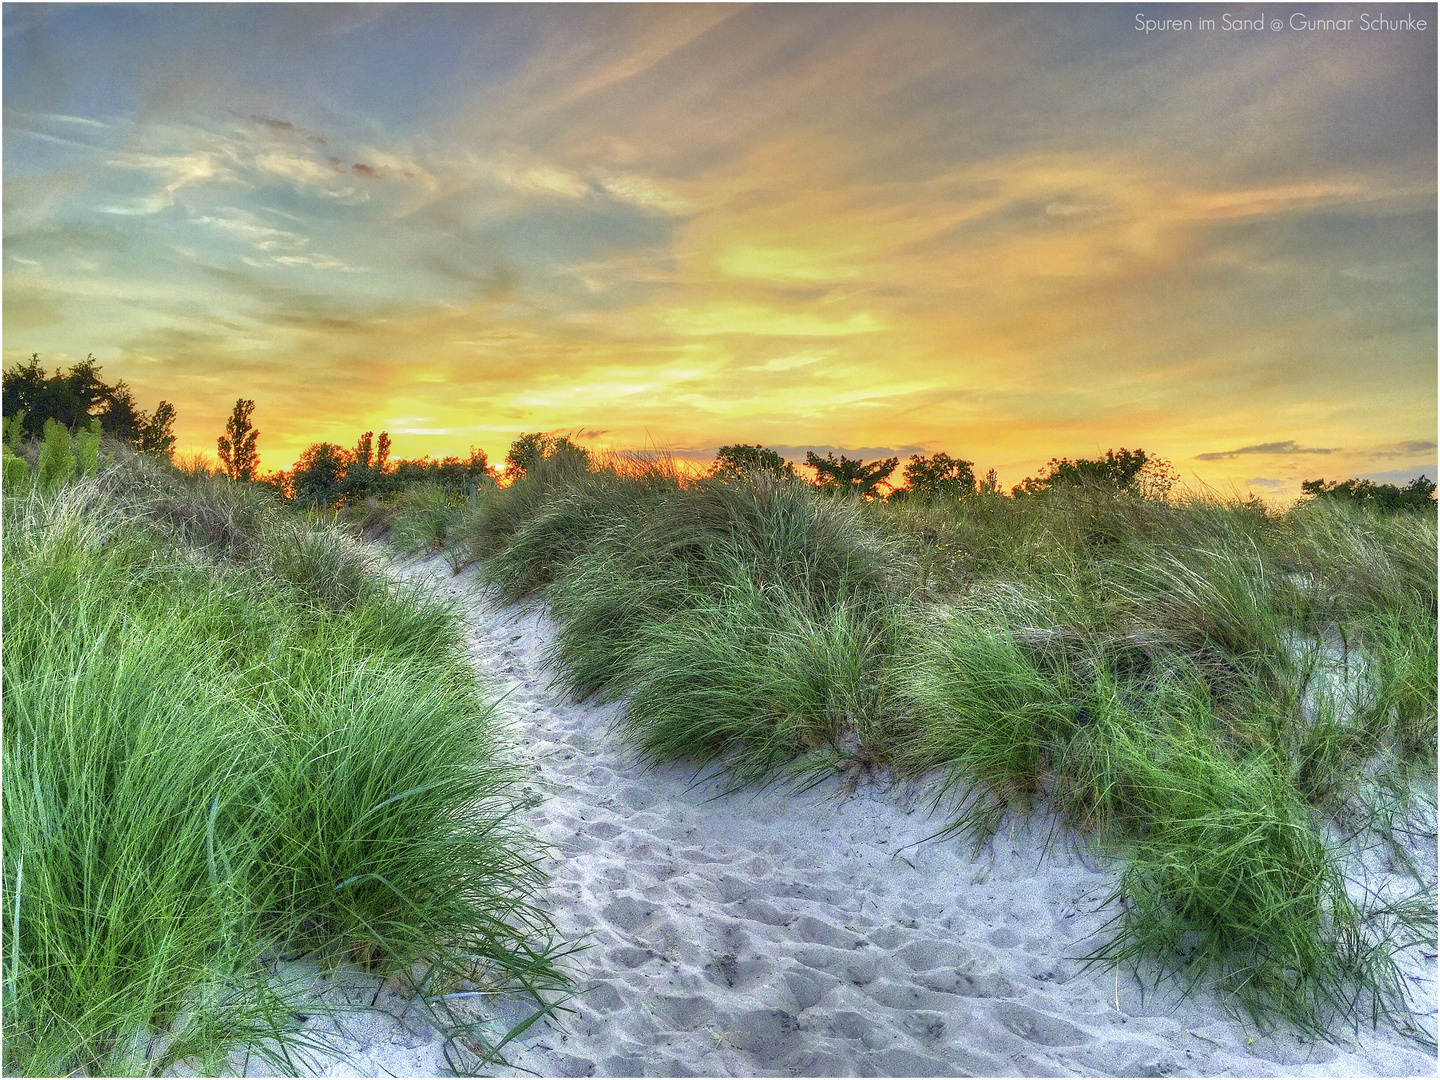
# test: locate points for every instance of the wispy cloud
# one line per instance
(59, 118)
(179, 171)
(250, 227)
(1289, 446)
(1402, 449)
(306, 172)
(314, 260)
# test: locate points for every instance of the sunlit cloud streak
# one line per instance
(1289, 446)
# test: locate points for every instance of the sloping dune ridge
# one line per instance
(825, 933)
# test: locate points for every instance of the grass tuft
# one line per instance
(224, 738)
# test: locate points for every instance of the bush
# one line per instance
(17, 470)
(634, 551)
(1418, 495)
(983, 710)
(502, 511)
(741, 460)
(1228, 878)
(938, 477)
(57, 460)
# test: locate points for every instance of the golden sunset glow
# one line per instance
(1006, 232)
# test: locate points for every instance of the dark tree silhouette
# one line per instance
(850, 474)
(939, 476)
(362, 478)
(76, 397)
(1114, 470)
(742, 460)
(368, 470)
(69, 398)
(157, 432)
(524, 452)
(122, 417)
(533, 447)
(238, 456)
(1419, 494)
(365, 449)
(319, 476)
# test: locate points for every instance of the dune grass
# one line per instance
(421, 518)
(1166, 677)
(1199, 684)
(226, 741)
(757, 683)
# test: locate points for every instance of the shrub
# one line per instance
(502, 511)
(1125, 470)
(319, 477)
(982, 709)
(57, 459)
(850, 475)
(17, 470)
(1419, 494)
(938, 477)
(422, 518)
(528, 450)
(740, 460)
(1230, 879)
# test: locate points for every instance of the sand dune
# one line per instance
(764, 933)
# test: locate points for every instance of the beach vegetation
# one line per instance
(1418, 494)
(534, 447)
(239, 458)
(228, 744)
(1199, 685)
(938, 476)
(76, 398)
(740, 460)
(853, 476)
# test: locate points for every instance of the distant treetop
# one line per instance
(534, 446)
(76, 397)
(939, 476)
(742, 460)
(239, 459)
(1419, 494)
(1132, 471)
(850, 474)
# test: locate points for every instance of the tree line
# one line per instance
(327, 474)
(76, 397)
(939, 476)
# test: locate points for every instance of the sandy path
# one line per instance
(763, 933)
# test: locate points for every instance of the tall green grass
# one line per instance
(1176, 691)
(224, 738)
(756, 683)
(1163, 675)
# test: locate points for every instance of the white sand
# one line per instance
(764, 933)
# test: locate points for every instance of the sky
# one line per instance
(1006, 232)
